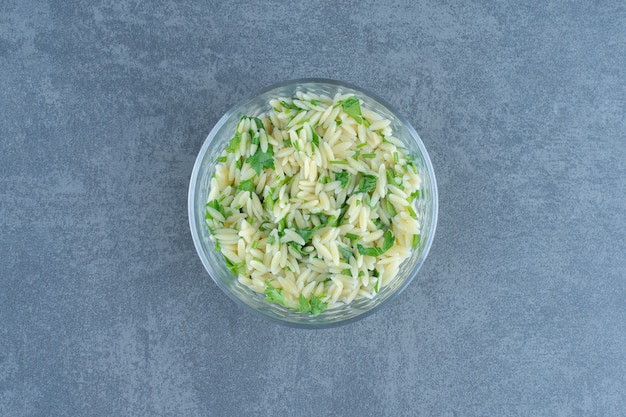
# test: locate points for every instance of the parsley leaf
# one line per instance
(343, 177)
(247, 185)
(317, 306)
(315, 139)
(390, 209)
(351, 236)
(353, 108)
(259, 123)
(261, 160)
(346, 252)
(297, 248)
(215, 204)
(288, 105)
(234, 143)
(273, 295)
(388, 242)
(367, 184)
(234, 267)
(303, 304)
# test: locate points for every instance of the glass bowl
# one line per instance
(426, 206)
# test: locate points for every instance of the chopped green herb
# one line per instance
(287, 143)
(343, 177)
(413, 196)
(255, 244)
(296, 145)
(360, 145)
(368, 155)
(346, 272)
(416, 240)
(324, 180)
(390, 208)
(239, 163)
(338, 121)
(346, 252)
(289, 106)
(258, 122)
(367, 184)
(215, 204)
(307, 234)
(411, 212)
(353, 108)
(303, 304)
(388, 242)
(355, 156)
(261, 160)
(377, 286)
(221, 159)
(282, 224)
(339, 162)
(247, 185)
(396, 158)
(233, 145)
(391, 177)
(297, 248)
(314, 138)
(273, 295)
(361, 273)
(366, 123)
(378, 223)
(351, 236)
(314, 102)
(250, 220)
(271, 240)
(255, 138)
(317, 306)
(234, 267)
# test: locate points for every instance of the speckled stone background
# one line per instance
(105, 308)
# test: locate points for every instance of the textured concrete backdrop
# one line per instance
(105, 309)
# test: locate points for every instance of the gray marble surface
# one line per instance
(105, 308)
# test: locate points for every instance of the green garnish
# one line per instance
(416, 240)
(390, 209)
(351, 236)
(367, 184)
(255, 244)
(346, 272)
(247, 185)
(234, 267)
(289, 106)
(360, 145)
(411, 212)
(353, 108)
(273, 295)
(215, 204)
(287, 143)
(396, 158)
(391, 177)
(388, 242)
(413, 196)
(368, 155)
(297, 248)
(343, 177)
(314, 138)
(255, 138)
(258, 122)
(271, 240)
(221, 159)
(346, 252)
(234, 143)
(314, 305)
(239, 163)
(339, 162)
(324, 180)
(378, 223)
(261, 160)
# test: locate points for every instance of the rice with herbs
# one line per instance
(312, 203)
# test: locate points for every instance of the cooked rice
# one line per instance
(333, 218)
